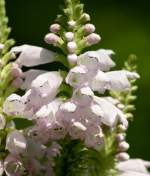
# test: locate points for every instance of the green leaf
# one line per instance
(22, 123)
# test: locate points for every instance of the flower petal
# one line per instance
(99, 59)
(47, 84)
(100, 82)
(77, 76)
(13, 105)
(135, 165)
(33, 55)
(111, 114)
(29, 76)
(15, 142)
(119, 79)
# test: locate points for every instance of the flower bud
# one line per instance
(17, 82)
(123, 146)
(122, 128)
(92, 39)
(53, 39)
(55, 28)
(69, 36)
(16, 71)
(85, 17)
(1, 46)
(89, 28)
(72, 24)
(120, 137)
(121, 106)
(72, 59)
(2, 122)
(123, 156)
(72, 46)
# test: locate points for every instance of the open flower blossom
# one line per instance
(83, 115)
(72, 120)
(134, 167)
(91, 71)
(30, 56)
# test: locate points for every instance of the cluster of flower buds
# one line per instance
(53, 37)
(123, 146)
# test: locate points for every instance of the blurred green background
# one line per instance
(124, 26)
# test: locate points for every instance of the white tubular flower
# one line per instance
(29, 76)
(89, 60)
(13, 105)
(2, 122)
(118, 80)
(13, 166)
(32, 55)
(111, 117)
(83, 96)
(100, 82)
(77, 76)
(106, 63)
(47, 84)
(1, 167)
(15, 142)
(114, 80)
(134, 167)
(99, 59)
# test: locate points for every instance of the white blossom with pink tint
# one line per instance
(133, 167)
(16, 142)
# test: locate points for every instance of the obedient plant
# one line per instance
(73, 120)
